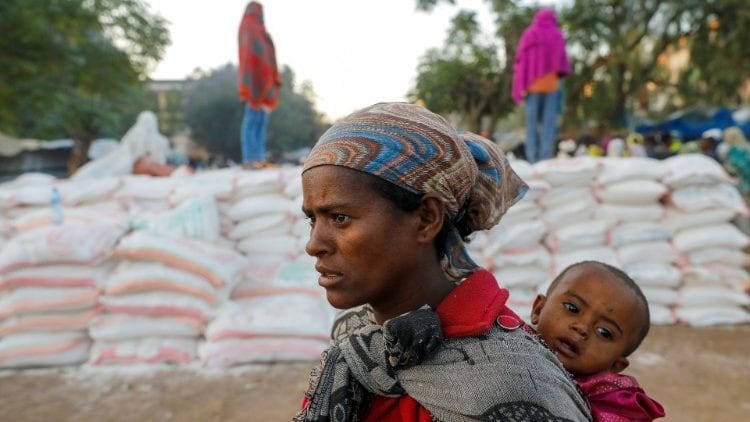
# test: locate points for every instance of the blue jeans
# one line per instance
(541, 109)
(253, 134)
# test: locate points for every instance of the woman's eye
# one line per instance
(604, 332)
(310, 220)
(341, 218)
(571, 307)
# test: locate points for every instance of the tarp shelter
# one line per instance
(692, 122)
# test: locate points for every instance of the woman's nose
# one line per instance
(317, 244)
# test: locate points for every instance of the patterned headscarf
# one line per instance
(421, 152)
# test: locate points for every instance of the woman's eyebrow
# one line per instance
(325, 208)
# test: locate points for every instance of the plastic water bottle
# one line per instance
(56, 205)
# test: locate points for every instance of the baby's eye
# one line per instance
(571, 307)
(604, 332)
(341, 218)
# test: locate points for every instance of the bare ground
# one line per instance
(698, 374)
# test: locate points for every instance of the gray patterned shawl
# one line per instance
(503, 375)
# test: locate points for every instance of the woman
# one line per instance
(392, 191)
(540, 63)
(258, 83)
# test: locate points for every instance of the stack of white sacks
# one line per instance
(214, 268)
(576, 233)
(51, 267)
(630, 193)
(151, 297)
(277, 312)
(264, 215)
(174, 273)
(512, 250)
(702, 204)
(158, 301)
(687, 257)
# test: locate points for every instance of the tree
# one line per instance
(719, 64)
(472, 76)
(214, 114)
(74, 67)
(463, 77)
(623, 53)
(295, 123)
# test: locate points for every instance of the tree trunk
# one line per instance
(474, 119)
(79, 153)
(617, 116)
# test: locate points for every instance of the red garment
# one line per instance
(618, 398)
(470, 309)
(258, 79)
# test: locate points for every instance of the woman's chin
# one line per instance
(338, 301)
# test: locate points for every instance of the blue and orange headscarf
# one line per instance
(421, 152)
(258, 79)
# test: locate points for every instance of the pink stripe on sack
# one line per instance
(157, 311)
(42, 349)
(229, 333)
(156, 284)
(28, 281)
(169, 259)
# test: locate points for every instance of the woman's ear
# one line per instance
(431, 217)
(536, 310)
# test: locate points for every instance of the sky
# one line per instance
(354, 52)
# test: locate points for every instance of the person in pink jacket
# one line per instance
(593, 317)
(540, 63)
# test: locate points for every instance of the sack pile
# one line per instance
(702, 203)
(668, 224)
(210, 267)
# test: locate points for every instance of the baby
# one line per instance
(593, 317)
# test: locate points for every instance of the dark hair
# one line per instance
(409, 201)
(625, 279)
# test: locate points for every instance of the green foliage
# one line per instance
(463, 77)
(719, 62)
(295, 123)
(471, 76)
(614, 47)
(214, 113)
(74, 67)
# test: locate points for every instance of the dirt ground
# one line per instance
(698, 374)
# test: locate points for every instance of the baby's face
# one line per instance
(589, 320)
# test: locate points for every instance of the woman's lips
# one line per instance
(327, 278)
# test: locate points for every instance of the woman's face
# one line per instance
(366, 248)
